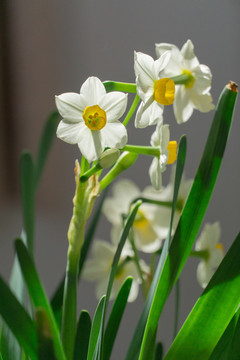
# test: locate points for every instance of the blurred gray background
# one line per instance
(51, 47)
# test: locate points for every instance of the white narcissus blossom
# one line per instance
(196, 93)
(98, 269)
(168, 154)
(208, 241)
(147, 234)
(90, 119)
(153, 88)
(163, 213)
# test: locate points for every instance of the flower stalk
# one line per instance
(85, 194)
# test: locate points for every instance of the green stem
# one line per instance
(120, 86)
(136, 260)
(177, 301)
(159, 203)
(84, 165)
(144, 150)
(90, 172)
(131, 110)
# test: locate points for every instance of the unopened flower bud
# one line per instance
(109, 158)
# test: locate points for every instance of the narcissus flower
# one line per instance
(90, 119)
(168, 154)
(147, 235)
(98, 269)
(195, 94)
(153, 87)
(208, 243)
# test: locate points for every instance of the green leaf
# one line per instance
(116, 317)
(18, 321)
(48, 135)
(45, 336)
(123, 237)
(82, 336)
(159, 351)
(37, 293)
(28, 197)
(57, 299)
(95, 329)
(192, 214)
(212, 312)
(221, 350)
(234, 350)
(138, 335)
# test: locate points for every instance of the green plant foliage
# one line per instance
(116, 317)
(19, 322)
(82, 336)
(192, 214)
(212, 312)
(96, 326)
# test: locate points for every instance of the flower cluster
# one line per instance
(92, 120)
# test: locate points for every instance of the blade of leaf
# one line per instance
(138, 334)
(45, 337)
(18, 321)
(116, 317)
(37, 293)
(212, 312)
(95, 329)
(234, 350)
(221, 350)
(159, 351)
(192, 214)
(82, 336)
(48, 135)
(123, 237)
(57, 298)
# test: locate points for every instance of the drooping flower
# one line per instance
(168, 154)
(153, 87)
(98, 269)
(147, 235)
(195, 94)
(90, 119)
(208, 242)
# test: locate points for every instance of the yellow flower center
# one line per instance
(140, 221)
(164, 91)
(219, 246)
(172, 152)
(95, 118)
(190, 81)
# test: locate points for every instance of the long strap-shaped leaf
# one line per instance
(82, 336)
(138, 335)
(18, 321)
(115, 317)
(193, 213)
(95, 328)
(37, 293)
(212, 312)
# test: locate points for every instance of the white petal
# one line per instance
(146, 238)
(144, 92)
(161, 48)
(92, 90)
(182, 107)
(90, 144)
(161, 63)
(176, 62)
(114, 103)
(70, 106)
(204, 274)
(188, 54)
(202, 103)
(149, 114)
(114, 135)
(70, 132)
(155, 174)
(164, 133)
(203, 78)
(144, 67)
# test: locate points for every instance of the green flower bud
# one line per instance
(109, 158)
